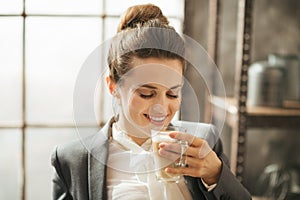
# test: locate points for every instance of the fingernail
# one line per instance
(172, 134)
(162, 145)
(168, 170)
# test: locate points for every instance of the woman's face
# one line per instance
(151, 92)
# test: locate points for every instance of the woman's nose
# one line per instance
(157, 110)
(162, 101)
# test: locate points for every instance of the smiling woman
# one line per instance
(146, 62)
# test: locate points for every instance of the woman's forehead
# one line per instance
(153, 74)
(173, 63)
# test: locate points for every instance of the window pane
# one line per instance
(55, 51)
(169, 7)
(63, 6)
(10, 70)
(177, 24)
(11, 6)
(40, 144)
(110, 27)
(10, 167)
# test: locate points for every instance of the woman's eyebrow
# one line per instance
(148, 86)
(153, 87)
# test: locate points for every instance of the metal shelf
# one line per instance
(257, 117)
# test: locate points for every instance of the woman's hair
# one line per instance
(143, 32)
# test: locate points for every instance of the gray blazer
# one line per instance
(81, 175)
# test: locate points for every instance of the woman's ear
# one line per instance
(111, 85)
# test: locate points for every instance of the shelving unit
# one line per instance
(257, 117)
(239, 116)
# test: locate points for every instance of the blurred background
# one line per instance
(44, 43)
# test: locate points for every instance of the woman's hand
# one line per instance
(201, 159)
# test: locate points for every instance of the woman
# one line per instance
(146, 65)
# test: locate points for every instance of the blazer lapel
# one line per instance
(97, 163)
(97, 183)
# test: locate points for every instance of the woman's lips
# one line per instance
(157, 120)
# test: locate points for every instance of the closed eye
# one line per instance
(172, 95)
(146, 96)
(145, 93)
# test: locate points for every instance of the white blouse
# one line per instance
(131, 174)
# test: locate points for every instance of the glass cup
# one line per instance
(178, 158)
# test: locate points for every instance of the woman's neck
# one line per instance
(139, 141)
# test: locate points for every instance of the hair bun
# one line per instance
(140, 14)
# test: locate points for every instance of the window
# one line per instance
(43, 45)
